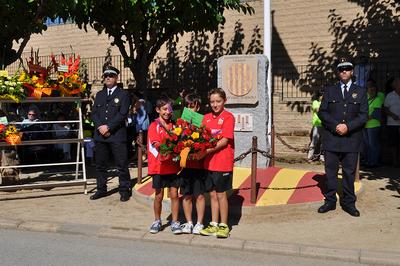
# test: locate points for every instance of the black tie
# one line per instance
(345, 91)
(109, 92)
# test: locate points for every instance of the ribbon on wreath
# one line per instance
(37, 92)
(184, 157)
(65, 91)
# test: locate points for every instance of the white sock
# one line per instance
(190, 222)
(214, 223)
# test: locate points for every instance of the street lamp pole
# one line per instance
(267, 53)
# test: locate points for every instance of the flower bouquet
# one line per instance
(37, 79)
(64, 78)
(187, 141)
(10, 87)
(69, 78)
(10, 134)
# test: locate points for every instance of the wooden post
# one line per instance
(272, 161)
(139, 157)
(253, 195)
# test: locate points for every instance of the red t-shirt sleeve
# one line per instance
(152, 134)
(228, 127)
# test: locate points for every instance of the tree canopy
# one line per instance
(140, 27)
(21, 18)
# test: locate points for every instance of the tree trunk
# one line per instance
(140, 72)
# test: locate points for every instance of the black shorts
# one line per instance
(219, 181)
(163, 181)
(193, 181)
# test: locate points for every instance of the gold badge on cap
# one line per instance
(116, 100)
(354, 95)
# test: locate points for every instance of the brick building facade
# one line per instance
(307, 36)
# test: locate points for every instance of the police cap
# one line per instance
(110, 70)
(344, 63)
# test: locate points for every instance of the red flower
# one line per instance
(180, 122)
(187, 132)
(206, 137)
(198, 146)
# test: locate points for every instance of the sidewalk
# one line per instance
(287, 229)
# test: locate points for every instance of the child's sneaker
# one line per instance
(155, 227)
(210, 230)
(187, 228)
(197, 228)
(223, 231)
(176, 228)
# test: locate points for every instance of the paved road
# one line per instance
(34, 248)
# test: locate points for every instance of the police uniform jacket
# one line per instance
(352, 111)
(111, 111)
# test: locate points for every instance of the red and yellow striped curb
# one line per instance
(275, 186)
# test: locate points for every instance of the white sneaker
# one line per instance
(187, 228)
(197, 228)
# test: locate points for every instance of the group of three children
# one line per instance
(212, 172)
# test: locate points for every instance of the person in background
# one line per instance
(315, 152)
(131, 129)
(32, 116)
(88, 128)
(62, 131)
(362, 71)
(142, 119)
(392, 111)
(141, 122)
(372, 128)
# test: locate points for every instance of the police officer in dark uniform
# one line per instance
(110, 110)
(343, 112)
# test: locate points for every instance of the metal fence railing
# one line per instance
(297, 83)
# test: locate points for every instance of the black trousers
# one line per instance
(118, 150)
(348, 160)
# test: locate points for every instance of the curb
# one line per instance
(265, 247)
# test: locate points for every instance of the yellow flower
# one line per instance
(195, 135)
(34, 78)
(75, 77)
(177, 131)
(60, 79)
(22, 77)
(12, 129)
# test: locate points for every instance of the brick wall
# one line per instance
(296, 25)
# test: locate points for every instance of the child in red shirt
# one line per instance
(163, 170)
(219, 162)
(193, 181)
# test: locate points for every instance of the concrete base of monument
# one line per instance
(275, 186)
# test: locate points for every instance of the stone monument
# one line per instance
(244, 79)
